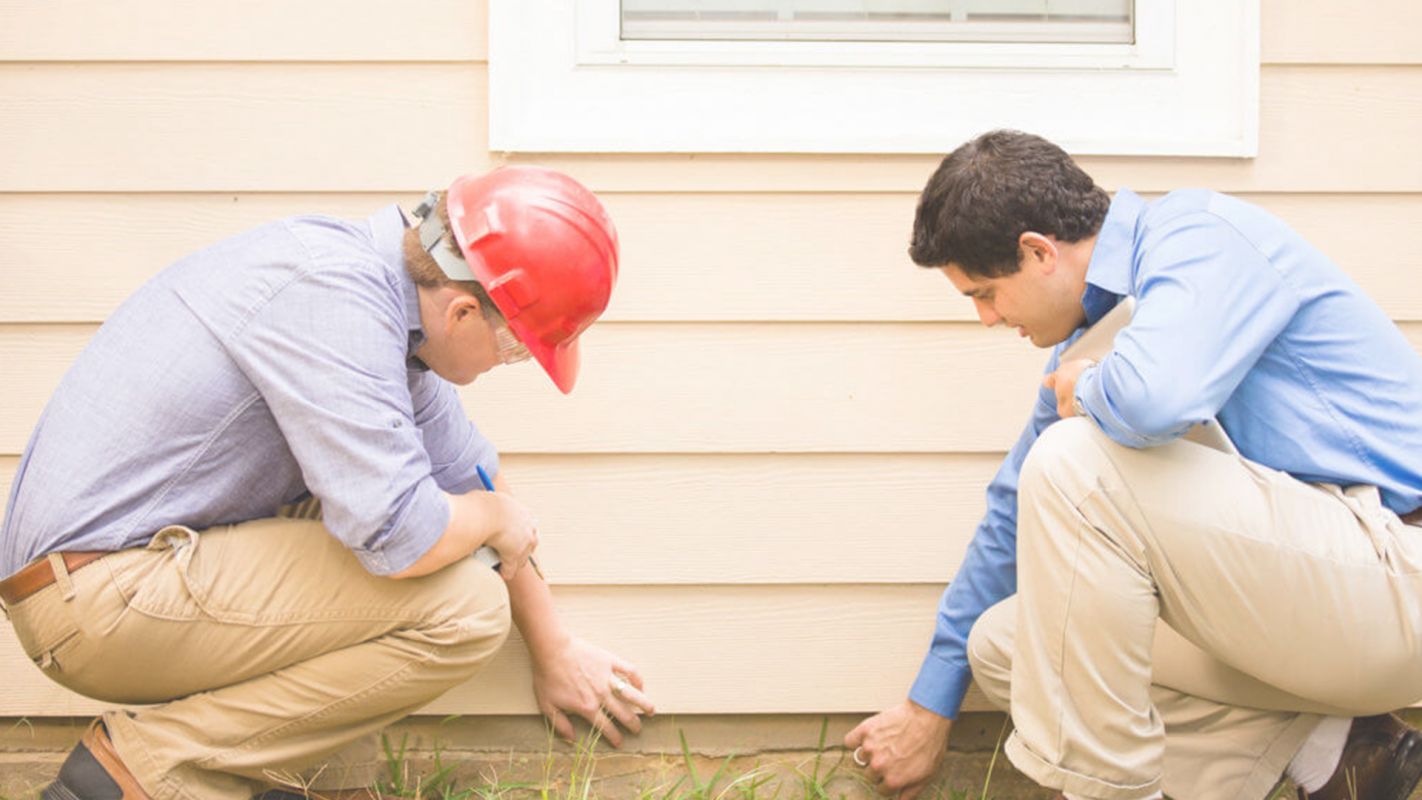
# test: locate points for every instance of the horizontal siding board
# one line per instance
(405, 127)
(251, 30)
(756, 388)
(718, 650)
(686, 257)
(704, 388)
(1326, 31)
(234, 127)
(1293, 31)
(743, 519)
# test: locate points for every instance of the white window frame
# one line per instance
(562, 80)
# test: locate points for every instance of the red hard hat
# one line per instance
(544, 249)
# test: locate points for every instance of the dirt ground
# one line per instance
(745, 758)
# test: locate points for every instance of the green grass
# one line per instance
(821, 776)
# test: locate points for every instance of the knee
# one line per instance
(1068, 452)
(990, 652)
(470, 619)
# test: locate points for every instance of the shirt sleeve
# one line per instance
(327, 354)
(987, 576)
(1208, 304)
(454, 445)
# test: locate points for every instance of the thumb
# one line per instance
(856, 737)
(508, 569)
(1050, 381)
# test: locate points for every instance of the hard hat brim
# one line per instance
(560, 361)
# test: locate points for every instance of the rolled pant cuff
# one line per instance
(1269, 769)
(1054, 777)
(134, 752)
(350, 776)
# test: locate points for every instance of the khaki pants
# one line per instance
(1183, 616)
(269, 647)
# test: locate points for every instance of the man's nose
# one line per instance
(986, 314)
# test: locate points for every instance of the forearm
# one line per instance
(473, 519)
(535, 615)
(531, 602)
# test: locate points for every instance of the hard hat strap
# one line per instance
(433, 234)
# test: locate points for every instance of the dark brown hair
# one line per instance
(990, 191)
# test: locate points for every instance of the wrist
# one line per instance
(495, 517)
(931, 720)
(545, 646)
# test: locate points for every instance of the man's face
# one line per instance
(460, 342)
(1036, 300)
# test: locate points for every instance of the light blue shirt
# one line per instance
(271, 365)
(1237, 317)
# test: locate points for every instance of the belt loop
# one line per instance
(61, 576)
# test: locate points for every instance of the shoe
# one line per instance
(94, 771)
(1382, 760)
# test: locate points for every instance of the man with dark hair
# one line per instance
(1162, 610)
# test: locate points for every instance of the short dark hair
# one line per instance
(990, 191)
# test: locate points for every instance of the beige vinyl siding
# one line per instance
(742, 256)
(779, 447)
(290, 127)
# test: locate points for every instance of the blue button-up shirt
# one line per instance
(271, 365)
(1239, 318)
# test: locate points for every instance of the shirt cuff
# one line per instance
(940, 686)
(412, 534)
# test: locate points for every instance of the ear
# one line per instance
(462, 309)
(1037, 251)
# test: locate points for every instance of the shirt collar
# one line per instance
(1108, 275)
(387, 227)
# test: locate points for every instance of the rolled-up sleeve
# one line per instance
(455, 446)
(327, 353)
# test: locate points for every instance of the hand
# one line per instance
(579, 678)
(902, 747)
(517, 535)
(1063, 382)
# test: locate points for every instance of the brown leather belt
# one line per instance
(38, 574)
(1413, 517)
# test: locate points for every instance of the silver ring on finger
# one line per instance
(859, 759)
(619, 686)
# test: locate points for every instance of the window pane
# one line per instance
(881, 20)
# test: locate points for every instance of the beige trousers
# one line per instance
(1183, 615)
(275, 656)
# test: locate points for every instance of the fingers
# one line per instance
(633, 696)
(604, 726)
(627, 670)
(625, 713)
(561, 724)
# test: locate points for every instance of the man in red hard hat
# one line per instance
(253, 498)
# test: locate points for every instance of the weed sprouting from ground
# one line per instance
(819, 777)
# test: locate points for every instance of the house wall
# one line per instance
(778, 449)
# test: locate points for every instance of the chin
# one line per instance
(1047, 341)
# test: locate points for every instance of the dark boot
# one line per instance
(1382, 760)
(94, 771)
